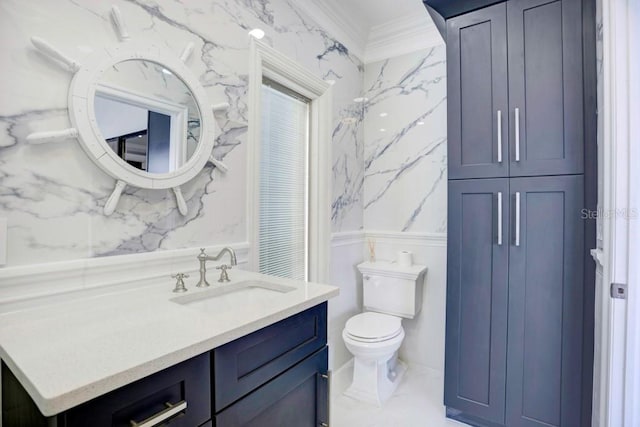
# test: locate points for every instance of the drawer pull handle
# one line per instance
(170, 411)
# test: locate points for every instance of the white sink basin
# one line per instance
(235, 296)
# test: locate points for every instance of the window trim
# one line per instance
(268, 62)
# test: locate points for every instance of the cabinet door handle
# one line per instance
(517, 242)
(517, 118)
(327, 377)
(499, 136)
(165, 414)
(499, 218)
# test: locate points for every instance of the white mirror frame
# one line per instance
(81, 100)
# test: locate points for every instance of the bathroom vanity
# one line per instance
(251, 352)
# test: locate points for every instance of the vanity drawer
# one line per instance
(249, 362)
(297, 398)
(186, 383)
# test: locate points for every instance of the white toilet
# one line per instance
(390, 292)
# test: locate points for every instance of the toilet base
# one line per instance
(375, 381)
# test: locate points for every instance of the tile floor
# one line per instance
(417, 402)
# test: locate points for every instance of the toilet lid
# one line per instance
(373, 326)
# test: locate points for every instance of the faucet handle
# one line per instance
(180, 282)
(224, 277)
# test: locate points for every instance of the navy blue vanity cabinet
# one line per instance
(182, 389)
(297, 398)
(274, 376)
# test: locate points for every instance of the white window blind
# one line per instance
(282, 235)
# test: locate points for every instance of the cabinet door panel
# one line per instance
(545, 86)
(476, 92)
(545, 303)
(297, 398)
(248, 362)
(477, 298)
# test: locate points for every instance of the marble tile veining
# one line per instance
(53, 194)
(405, 153)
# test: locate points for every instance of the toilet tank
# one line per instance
(391, 288)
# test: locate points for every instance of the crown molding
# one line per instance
(336, 19)
(401, 36)
(372, 43)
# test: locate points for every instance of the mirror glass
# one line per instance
(147, 115)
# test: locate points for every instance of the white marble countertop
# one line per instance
(67, 353)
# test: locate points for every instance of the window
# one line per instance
(293, 105)
(283, 214)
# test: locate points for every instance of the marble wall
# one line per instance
(53, 195)
(405, 182)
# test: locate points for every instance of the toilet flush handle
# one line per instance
(367, 277)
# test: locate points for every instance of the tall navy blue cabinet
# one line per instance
(515, 350)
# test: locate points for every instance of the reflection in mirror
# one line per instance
(147, 116)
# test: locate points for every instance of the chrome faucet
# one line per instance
(224, 276)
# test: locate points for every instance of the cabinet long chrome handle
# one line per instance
(517, 218)
(499, 136)
(327, 377)
(165, 414)
(517, 118)
(499, 218)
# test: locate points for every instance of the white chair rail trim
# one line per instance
(347, 238)
(413, 238)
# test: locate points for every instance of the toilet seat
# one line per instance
(371, 327)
